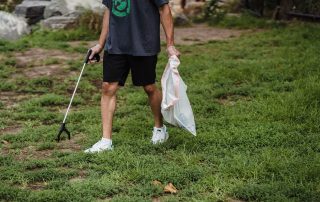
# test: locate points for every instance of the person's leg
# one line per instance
(155, 98)
(115, 72)
(143, 71)
(159, 134)
(108, 107)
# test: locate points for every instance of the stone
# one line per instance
(12, 27)
(56, 8)
(81, 5)
(61, 22)
(32, 10)
(193, 9)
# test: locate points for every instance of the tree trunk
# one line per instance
(285, 7)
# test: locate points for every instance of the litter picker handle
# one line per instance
(96, 57)
(63, 128)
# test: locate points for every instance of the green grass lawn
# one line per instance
(256, 101)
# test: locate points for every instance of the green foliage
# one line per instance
(91, 21)
(213, 12)
(246, 21)
(302, 6)
(307, 6)
(7, 86)
(9, 5)
(49, 39)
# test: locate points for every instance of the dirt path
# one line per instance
(199, 33)
(202, 33)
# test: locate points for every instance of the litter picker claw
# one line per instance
(63, 128)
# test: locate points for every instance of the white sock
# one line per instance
(106, 141)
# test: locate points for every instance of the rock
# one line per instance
(175, 6)
(12, 27)
(61, 22)
(80, 5)
(180, 19)
(62, 14)
(193, 9)
(56, 8)
(36, 10)
(32, 10)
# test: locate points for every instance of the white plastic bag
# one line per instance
(175, 106)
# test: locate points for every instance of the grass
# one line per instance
(245, 21)
(256, 104)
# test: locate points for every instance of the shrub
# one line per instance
(9, 5)
(213, 11)
(308, 6)
(91, 21)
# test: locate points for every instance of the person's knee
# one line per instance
(150, 89)
(109, 89)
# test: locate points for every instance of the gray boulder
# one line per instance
(32, 10)
(61, 22)
(12, 27)
(56, 8)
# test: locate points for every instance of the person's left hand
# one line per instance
(171, 50)
(95, 50)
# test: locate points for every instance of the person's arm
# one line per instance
(103, 35)
(167, 24)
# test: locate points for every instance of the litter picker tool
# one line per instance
(63, 128)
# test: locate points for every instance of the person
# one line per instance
(130, 37)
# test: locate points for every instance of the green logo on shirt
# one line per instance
(121, 8)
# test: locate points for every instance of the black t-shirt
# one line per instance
(134, 27)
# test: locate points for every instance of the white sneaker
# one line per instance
(101, 145)
(160, 135)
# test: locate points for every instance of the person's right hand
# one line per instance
(95, 50)
(171, 50)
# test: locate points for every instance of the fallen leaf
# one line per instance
(5, 142)
(169, 188)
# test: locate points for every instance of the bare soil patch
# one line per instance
(2, 57)
(232, 99)
(12, 130)
(87, 44)
(37, 62)
(11, 99)
(72, 144)
(234, 200)
(38, 56)
(201, 33)
(81, 177)
(37, 186)
(25, 153)
(47, 70)
(31, 152)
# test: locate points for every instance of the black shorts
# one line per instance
(116, 69)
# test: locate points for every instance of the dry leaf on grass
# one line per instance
(5, 142)
(169, 188)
